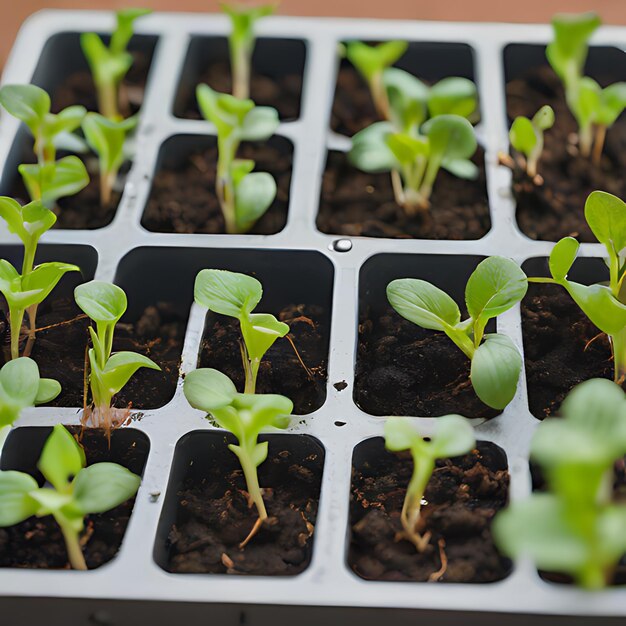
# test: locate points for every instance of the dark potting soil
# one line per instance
(38, 543)
(183, 198)
(353, 107)
(282, 93)
(562, 348)
(60, 351)
(463, 496)
(354, 203)
(403, 369)
(281, 371)
(214, 518)
(555, 209)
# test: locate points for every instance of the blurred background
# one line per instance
(612, 11)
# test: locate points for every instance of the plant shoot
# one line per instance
(496, 285)
(237, 295)
(72, 492)
(452, 436)
(526, 136)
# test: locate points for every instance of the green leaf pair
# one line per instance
(452, 437)
(604, 305)
(237, 295)
(526, 136)
(105, 304)
(244, 195)
(241, 42)
(109, 64)
(245, 415)
(496, 285)
(446, 141)
(74, 492)
(575, 527)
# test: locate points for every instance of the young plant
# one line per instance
(105, 304)
(496, 285)
(109, 64)
(244, 195)
(371, 62)
(452, 436)
(447, 141)
(576, 527)
(241, 42)
(245, 415)
(74, 491)
(592, 106)
(106, 138)
(48, 179)
(527, 136)
(20, 388)
(236, 295)
(603, 304)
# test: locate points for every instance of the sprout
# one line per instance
(20, 388)
(105, 304)
(245, 415)
(371, 62)
(29, 223)
(447, 141)
(452, 436)
(106, 138)
(604, 305)
(48, 179)
(110, 64)
(589, 103)
(74, 492)
(241, 42)
(236, 295)
(244, 196)
(527, 136)
(496, 285)
(575, 527)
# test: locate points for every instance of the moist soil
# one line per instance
(282, 93)
(555, 208)
(403, 369)
(462, 497)
(562, 348)
(38, 543)
(214, 518)
(355, 203)
(60, 351)
(183, 198)
(281, 371)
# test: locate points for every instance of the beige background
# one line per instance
(12, 12)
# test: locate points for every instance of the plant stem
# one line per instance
(107, 180)
(240, 54)
(618, 345)
(252, 372)
(74, 551)
(4, 433)
(16, 318)
(379, 95)
(32, 329)
(411, 508)
(585, 139)
(599, 144)
(107, 100)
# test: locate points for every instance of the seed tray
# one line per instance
(298, 258)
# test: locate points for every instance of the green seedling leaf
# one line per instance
(260, 331)
(599, 305)
(407, 149)
(103, 486)
(28, 222)
(562, 257)
(101, 301)
(450, 136)
(453, 96)
(522, 135)
(119, 369)
(370, 151)
(227, 293)
(124, 31)
(208, 390)
(259, 124)
(254, 195)
(495, 371)
(544, 118)
(408, 97)
(16, 505)
(612, 104)
(62, 458)
(606, 216)
(372, 60)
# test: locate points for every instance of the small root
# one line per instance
(435, 576)
(82, 316)
(591, 341)
(419, 541)
(308, 371)
(252, 533)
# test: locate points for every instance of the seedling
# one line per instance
(452, 436)
(241, 42)
(446, 141)
(244, 195)
(236, 295)
(591, 105)
(109, 64)
(245, 415)
(603, 304)
(107, 138)
(48, 179)
(105, 304)
(74, 491)
(576, 527)
(496, 285)
(20, 388)
(526, 136)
